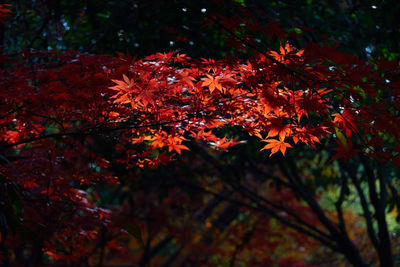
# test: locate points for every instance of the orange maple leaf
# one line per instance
(187, 78)
(276, 145)
(212, 83)
(146, 97)
(175, 143)
(224, 144)
(278, 128)
(122, 85)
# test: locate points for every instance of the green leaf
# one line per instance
(341, 137)
(297, 30)
(241, 2)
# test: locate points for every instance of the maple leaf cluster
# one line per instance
(278, 97)
(56, 107)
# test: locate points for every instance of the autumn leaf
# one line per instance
(204, 135)
(175, 143)
(187, 78)
(278, 128)
(122, 85)
(346, 121)
(145, 97)
(52, 254)
(212, 83)
(181, 58)
(275, 146)
(345, 150)
(225, 144)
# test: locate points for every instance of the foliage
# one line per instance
(115, 160)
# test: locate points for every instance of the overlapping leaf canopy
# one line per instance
(73, 125)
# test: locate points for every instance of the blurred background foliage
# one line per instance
(366, 28)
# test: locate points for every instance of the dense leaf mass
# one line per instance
(73, 125)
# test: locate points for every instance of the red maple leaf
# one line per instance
(346, 121)
(345, 151)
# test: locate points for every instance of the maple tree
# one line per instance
(73, 123)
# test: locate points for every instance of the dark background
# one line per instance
(365, 28)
